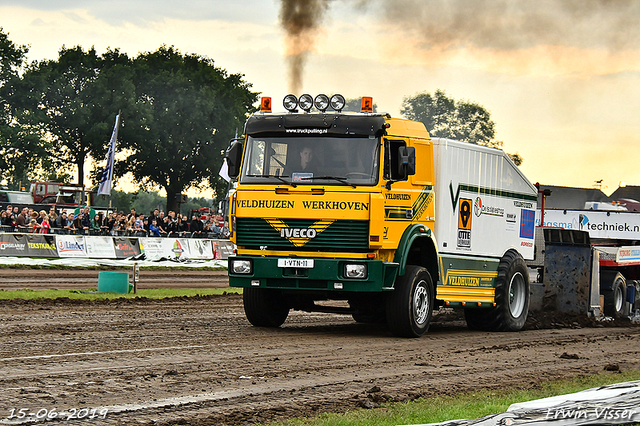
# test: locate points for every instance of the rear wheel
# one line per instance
(614, 298)
(511, 296)
(410, 305)
(264, 307)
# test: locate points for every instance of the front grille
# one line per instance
(341, 235)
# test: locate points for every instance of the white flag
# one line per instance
(106, 180)
(224, 171)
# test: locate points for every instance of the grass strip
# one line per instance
(155, 293)
(465, 406)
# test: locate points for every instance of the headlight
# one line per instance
(337, 102)
(241, 266)
(305, 102)
(321, 102)
(290, 103)
(355, 270)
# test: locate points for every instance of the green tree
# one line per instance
(461, 120)
(20, 150)
(194, 109)
(145, 202)
(119, 200)
(71, 102)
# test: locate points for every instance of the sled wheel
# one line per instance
(614, 298)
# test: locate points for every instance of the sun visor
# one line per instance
(315, 125)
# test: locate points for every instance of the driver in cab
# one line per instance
(306, 169)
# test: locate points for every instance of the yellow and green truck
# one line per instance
(369, 210)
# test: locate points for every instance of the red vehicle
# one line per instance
(59, 193)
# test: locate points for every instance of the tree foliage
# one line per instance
(69, 105)
(445, 117)
(146, 201)
(178, 113)
(192, 109)
(16, 144)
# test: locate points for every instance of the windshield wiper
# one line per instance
(276, 177)
(340, 179)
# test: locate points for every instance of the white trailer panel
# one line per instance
(484, 204)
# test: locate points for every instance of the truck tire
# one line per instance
(368, 318)
(264, 307)
(512, 298)
(614, 298)
(410, 305)
(368, 309)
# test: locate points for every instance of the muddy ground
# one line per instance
(65, 279)
(197, 361)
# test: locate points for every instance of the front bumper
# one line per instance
(326, 274)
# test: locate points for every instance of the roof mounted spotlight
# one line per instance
(321, 102)
(337, 102)
(290, 103)
(305, 102)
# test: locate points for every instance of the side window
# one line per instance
(391, 171)
(277, 159)
(256, 159)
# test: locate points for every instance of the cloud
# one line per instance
(118, 12)
(515, 24)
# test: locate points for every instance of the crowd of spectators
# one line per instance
(87, 222)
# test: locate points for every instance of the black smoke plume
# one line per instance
(301, 20)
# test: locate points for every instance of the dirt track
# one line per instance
(64, 279)
(197, 361)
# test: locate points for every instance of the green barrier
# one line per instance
(114, 282)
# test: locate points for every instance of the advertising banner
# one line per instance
(100, 247)
(107, 247)
(222, 249)
(41, 245)
(614, 225)
(71, 246)
(126, 247)
(13, 245)
(153, 248)
(200, 249)
(176, 248)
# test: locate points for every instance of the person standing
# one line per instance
(21, 220)
(45, 226)
(154, 231)
(195, 227)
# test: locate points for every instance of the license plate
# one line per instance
(295, 263)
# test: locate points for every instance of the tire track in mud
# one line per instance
(198, 361)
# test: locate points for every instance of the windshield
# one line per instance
(20, 197)
(292, 160)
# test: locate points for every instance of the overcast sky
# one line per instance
(560, 78)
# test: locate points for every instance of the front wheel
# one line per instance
(511, 297)
(264, 307)
(410, 305)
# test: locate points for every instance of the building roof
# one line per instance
(629, 196)
(628, 192)
(563, 197)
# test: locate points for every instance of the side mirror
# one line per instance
(406, 161)
(234, 157)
